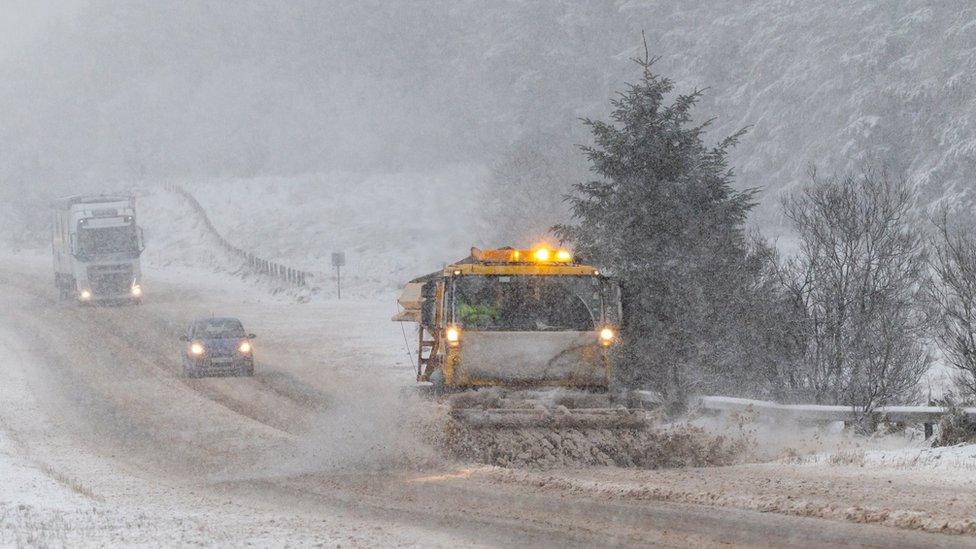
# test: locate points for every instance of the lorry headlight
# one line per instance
(607, 335)
(245, 347)
(136, 290)
(196, 349)
(85, 295)
(453, 335)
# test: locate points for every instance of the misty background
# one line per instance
(104, 95)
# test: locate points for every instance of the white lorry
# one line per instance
(97, 244)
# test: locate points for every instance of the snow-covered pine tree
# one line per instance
(664, 217)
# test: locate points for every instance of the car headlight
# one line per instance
(136, 290)
(85, 295)
(245, 347)
(196, 349)
(607, 336)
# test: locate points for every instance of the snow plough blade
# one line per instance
(570, 428)
(559, 417)
(554, 408)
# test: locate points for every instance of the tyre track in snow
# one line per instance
(149, 344)
(139, 331)
(62, 427)
(165, 332)
(250, 402)
(116, 392)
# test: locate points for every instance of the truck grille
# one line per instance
(110, 279)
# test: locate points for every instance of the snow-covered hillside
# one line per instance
(834, 84)
(391, 227)
(384, 86)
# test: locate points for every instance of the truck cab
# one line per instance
(97, 245)
(509, 317)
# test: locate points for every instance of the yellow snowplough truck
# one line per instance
(520, 337)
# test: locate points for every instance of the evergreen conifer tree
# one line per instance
(664, 217)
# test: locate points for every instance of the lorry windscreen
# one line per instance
(527, 303)
(108, 240)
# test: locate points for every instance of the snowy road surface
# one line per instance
(102, 441)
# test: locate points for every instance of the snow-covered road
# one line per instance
(103, 442)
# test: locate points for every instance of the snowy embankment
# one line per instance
(391, 227)
(35, 509)
(960, 458)
(41, 508)
(947, 460)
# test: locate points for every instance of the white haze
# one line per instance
(100, 95)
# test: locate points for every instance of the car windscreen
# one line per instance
(219, 329)
(527, 303)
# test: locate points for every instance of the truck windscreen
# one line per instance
(108, 240)
(527, 303)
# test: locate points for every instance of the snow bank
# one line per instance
(738, 488)
(956, 458)
(392, 227)
(959, 459)
(180, 249)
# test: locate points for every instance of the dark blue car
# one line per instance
(217, 346)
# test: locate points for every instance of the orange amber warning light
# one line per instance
(537, 254)
(545, 254)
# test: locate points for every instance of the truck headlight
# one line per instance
(245, 347)
(85, 295)
(136, 290)
(453, 336)
(196, 349)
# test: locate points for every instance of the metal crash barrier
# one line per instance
(817, 413)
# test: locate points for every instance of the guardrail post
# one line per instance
(928, 431)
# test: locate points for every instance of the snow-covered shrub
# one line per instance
(954, 294)
(956, 427)
(861, 279)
